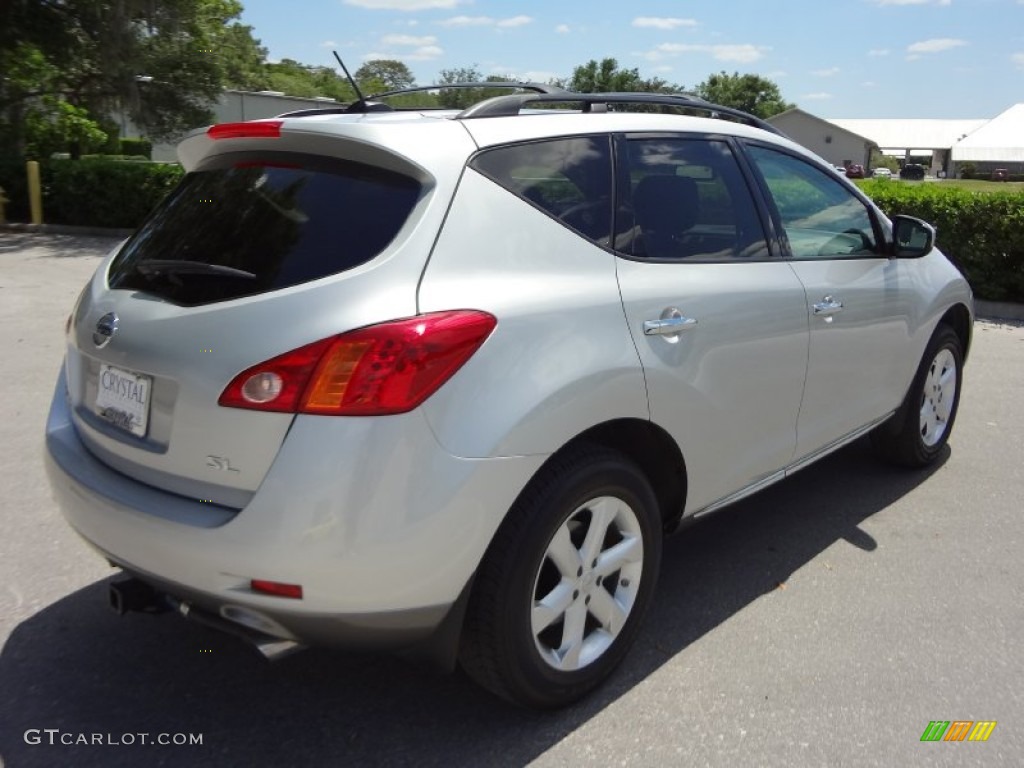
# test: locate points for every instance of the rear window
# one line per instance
(244, 224)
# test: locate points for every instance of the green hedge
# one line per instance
(984, 231)
(95, 192)
(137, 147)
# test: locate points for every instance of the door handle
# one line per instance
(828, 306)
(669, 326)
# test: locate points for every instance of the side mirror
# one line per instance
(911, 237)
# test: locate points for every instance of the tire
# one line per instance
(918, 431)
(544, 627)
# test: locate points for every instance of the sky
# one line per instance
(833, 58)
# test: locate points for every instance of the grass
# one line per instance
(971, 185)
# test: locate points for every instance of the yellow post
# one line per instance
(35, 192)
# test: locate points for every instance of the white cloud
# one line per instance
(486, 21)
(467, 21)
(328, 44)
(425, 53)
(820, 96)
(422, 53)
(514, 21)
(878, 52)
(1018, 58)
(935, 45)
(408, 40)
(742, 53)
(869, 84)
(663, 22)
(826, 72)
(563, 29)
(404, 5)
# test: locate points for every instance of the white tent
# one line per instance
(1001, 140)
(913, 133)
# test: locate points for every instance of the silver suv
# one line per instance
(441, 380)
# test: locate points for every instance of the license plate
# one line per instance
(122, 398)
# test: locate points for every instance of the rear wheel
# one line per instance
(917, 432)
(561, 592)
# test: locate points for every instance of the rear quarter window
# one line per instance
(246, 224)
(570, 179)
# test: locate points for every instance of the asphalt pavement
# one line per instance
(824, 622)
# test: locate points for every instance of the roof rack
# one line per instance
(511, 105)
(541, 88)
(368, 104)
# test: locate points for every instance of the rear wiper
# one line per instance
(183, 267)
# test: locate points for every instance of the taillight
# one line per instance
(276, 588)
(262, 129)
(381, 369)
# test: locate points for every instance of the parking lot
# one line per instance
(824, 622)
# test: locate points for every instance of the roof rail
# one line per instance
(542, 88)
(508, 106)
(362, 106)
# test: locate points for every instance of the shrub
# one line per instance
(137, 148)
(983, 231)
(94, 191)
(99, 192)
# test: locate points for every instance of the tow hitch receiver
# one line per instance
(132, 595)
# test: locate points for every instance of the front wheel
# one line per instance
(559, 597)
(917, 432)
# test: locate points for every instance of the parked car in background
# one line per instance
(440, 380)
(881, 173)
(1000, 174)
(912, 172)
(855, 171)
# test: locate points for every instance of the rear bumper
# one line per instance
(381, 527)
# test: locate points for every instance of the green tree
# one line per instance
(607, 77)
(295, 79)
(380, 75)
(242, 59)
(459, 98)
(750, 93)
(163, 63)
(53, 125)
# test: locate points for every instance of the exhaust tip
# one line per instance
(274, 649)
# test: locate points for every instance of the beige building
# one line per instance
(834, 143)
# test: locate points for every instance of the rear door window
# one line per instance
(686, 198)
(245, 224)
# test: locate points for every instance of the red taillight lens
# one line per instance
(380, 369)
(263, 129)
(276, 589)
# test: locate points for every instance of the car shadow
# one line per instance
(77, 667)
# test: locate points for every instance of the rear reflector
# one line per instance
(277, 589)
(263, 129)
(381, 369)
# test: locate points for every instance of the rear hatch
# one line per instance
(263, 248)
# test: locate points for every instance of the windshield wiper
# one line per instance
(171, 267)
